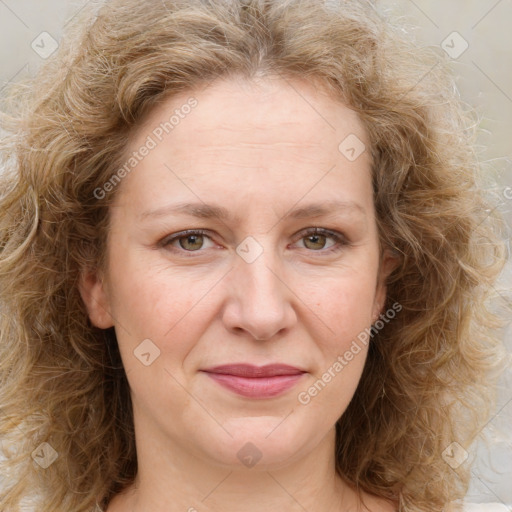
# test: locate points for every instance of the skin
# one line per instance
(260, 150)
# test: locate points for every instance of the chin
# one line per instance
(262, 442)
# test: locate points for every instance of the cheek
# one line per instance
(153, 303)
(345, 306)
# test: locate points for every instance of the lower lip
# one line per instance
(259, 387)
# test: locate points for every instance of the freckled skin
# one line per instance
(258, 150)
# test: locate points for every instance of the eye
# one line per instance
(313, 239)
(190, 240)
(323, 240)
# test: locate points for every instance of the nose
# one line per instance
(259, 300)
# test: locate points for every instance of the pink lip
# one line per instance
(256, 381)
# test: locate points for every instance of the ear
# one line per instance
(94, 294)
(389, 261)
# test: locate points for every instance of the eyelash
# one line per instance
(340, 241)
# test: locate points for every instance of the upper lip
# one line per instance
(252, 371)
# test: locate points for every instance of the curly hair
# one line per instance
(429, 374)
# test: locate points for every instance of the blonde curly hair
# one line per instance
(428, 377)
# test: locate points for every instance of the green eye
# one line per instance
(191, 242)
(314, 239)
(315, 242)
(323, 240)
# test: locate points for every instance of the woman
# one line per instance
(244, 264)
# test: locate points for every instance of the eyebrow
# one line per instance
(211, 211)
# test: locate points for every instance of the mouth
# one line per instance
(257, 382)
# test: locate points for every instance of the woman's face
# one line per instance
(249, 171)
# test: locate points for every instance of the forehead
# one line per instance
(265, 135)
(267, 110)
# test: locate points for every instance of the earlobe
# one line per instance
(93, 293)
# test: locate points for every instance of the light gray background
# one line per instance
(484, 74)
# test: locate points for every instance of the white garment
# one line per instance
(486, 507)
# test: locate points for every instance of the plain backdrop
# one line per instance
(481, 55)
